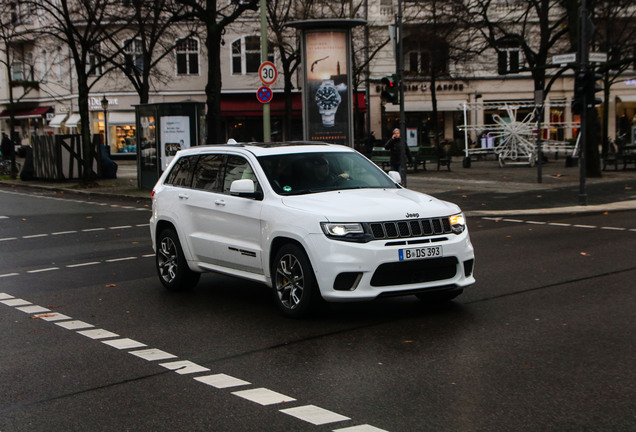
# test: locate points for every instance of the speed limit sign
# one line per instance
(268, 73)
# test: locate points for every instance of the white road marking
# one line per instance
(33, 309)
(98, 334)
(124, 343)
(54, 316)
(8, 275)
(74, 325)
(34, 236)
(63, 232)
(43, 270)
(120, 227)
(120, 259)
(221, 381)
(8, 238)
(83, 264)
(93, 229)
(263, 396)
(153, 354)
(360, 428)
(184, 367)
(309, 413)
(16, 302)
(4, 217)
(558, 224)
(314, 415)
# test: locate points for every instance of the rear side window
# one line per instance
(181, 174)
(208, 174)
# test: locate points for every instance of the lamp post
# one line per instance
(104, 102)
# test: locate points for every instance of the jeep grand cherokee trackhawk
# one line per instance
(310, 220)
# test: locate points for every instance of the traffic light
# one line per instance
(592, 88)
(578, 103)
(391, 92)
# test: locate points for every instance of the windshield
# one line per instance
(302, 173)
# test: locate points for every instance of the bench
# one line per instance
(431, 154)
(381, 157)
(624, 154)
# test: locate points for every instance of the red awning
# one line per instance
(27, 114)
(247, 105)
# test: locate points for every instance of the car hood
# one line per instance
(369, 205)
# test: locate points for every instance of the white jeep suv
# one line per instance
(310, 220)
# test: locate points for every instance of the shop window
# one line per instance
(187, 51)
(246, 55)
(508, 57)
(133, 56)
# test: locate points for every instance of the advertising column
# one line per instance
(327, 92)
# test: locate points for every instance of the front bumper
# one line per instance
(364, 271)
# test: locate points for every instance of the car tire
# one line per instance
(172, 266)
(439, 297)
(296, 291)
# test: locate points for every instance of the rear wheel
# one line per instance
(172, 266)
(295, 287)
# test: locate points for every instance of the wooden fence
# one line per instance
(61, 157)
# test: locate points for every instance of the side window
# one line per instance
(237, 168)
(209, 172)
(181, 174)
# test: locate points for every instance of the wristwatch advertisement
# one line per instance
(328, 99)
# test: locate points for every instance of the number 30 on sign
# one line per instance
(268, 73)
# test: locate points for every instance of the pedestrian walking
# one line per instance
(395, 151)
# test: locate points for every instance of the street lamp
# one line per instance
(104, 102)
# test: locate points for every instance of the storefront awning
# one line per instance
(57, 121)
(121, 118)
(247, 104)
(27, 114)
(73, 120)
(627, 98)
(427, 106)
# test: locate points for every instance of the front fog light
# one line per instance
(458, 223)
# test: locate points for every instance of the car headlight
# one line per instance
(457, 223)
(346, 231)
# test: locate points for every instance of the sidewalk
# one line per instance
(483, 189)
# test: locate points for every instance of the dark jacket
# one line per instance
(393, 145)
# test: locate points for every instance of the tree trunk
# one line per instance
(216, 134)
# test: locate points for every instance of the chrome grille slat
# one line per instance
(410, 228)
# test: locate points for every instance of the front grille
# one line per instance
(410, 228)
(416, 271)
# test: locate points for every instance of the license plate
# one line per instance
(420, 253)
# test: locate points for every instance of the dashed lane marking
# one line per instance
(78, 265)
(60, 233)
(262, 396)
(56, 198)
(558, 224)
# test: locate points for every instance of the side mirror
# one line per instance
(245, 188)
(395, 176)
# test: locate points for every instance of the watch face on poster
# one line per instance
(328, 99)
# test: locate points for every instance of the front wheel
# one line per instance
(295, 287)
(172, 266)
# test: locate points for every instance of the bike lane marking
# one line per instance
(260, 395)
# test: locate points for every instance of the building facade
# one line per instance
(41, 84)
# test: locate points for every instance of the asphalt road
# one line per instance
(91, 341)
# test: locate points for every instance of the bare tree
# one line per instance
(615, 22)
(215, 16)
(83, 26)
(279, 14)
(13, 36)
(154, 30)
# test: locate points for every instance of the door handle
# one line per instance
(184, 196)
(219, 202)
